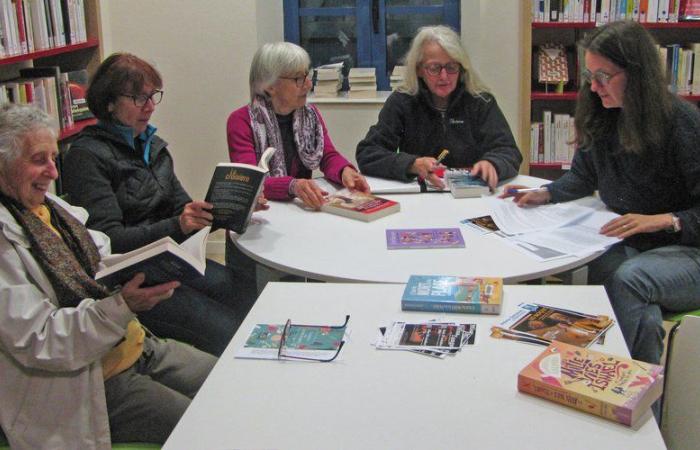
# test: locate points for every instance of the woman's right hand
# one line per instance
(528, 198)
(309, 193)
(424, 167)
(140, 299)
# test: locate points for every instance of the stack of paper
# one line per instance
(438, 339)
(363, 82)
(329, 80)
(397, 75)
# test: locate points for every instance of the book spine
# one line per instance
(466, 308)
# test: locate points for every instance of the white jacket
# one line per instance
(51, 385)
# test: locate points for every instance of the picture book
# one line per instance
(540, 324)
(482, 224)
(234, 191)
(359, 206)
(612, 387)
(424, 238)
(478, 295)
(161, 261)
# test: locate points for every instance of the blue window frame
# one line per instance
(363, 33)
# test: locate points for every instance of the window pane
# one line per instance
(326, 3)
(400, 30)
(329, 39)
(414, 2)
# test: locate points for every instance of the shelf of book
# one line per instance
(76, 128)
(547, 96)
(590, 25)
(90, 43)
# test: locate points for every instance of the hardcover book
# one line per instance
(424, 238)
(161, 261)
(477, 295)
(615, 388)
(359, 206)
(77, 86)
(234, 190)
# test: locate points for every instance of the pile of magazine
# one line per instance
(432, 338)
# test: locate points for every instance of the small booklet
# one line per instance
(234, 191)
(482, 224)
(540, 324)
(161, 261)
(359, 206)
(440, 293)
(424, 238)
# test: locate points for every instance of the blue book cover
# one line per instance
(442, 293)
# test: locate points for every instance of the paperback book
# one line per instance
(359, 206)
(615, 388)
(540, 324)
(431, 338)
(464, 185)
(424, 238)
(476, 295)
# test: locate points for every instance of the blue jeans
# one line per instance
(642, 285)
(205, 312)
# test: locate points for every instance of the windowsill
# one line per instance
(342, 98)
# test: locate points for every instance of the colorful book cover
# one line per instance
(300, 341)
(482, 224)
(479, 295)
(359, 206)
(424, 238)
(612, 387)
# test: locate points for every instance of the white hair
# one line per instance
(16, 121)
(274, 60)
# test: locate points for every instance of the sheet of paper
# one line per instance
(512, 219)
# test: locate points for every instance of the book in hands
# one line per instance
(540, 324)
(160, 261)
(612, 387)
(464, 185)
(234, 191)
(424, 238)
(471, 295)
(359, 206)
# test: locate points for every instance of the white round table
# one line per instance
(327, 247)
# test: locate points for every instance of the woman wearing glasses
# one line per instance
(638, 147)
(442, 104)
(122, 173)
(278, 116)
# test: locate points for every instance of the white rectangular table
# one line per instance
(370, 399)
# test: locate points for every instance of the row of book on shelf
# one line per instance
(362, 81)
(552, 140)
(27, 26)
(605, 11)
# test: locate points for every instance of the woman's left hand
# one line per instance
(354, 181)
(631, 224)
(261, 204)
(487, 172)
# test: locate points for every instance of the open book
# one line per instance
(234, 190)
(161, 261)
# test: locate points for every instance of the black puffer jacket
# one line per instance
(132, 203)
(472, 129)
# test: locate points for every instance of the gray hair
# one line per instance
(449, 40)
(274, 60)
(15, 122)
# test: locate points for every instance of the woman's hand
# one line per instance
(261, 204)
(354, 181)
(487, 172)
(196, 216)
(309, 193)
(631, 224)
(140, 299)
(424, 168)
(527, 199)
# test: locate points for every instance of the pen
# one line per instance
(441, 156)
(525, 190)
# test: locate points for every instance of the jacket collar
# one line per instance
(455, 96)
(126, 133)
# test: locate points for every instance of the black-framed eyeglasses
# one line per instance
(298, 80)
(603, 78)
(285, 335)
(141, 99)
(435, 69)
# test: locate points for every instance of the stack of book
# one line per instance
(363, 82)
(432, 338)
(396, 78)
(329, 80)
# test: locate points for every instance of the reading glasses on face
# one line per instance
(603, 78)
(435, 69)
(141, 99)
(298, 80)
(285, 334)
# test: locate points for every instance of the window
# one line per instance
(363, 33)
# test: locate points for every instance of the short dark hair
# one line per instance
(120, 73)
(642, 122)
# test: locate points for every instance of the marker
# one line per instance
(526, 190)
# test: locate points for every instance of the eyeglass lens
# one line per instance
(601, 77)
(451, 68)
(286, 333)
(141, 100)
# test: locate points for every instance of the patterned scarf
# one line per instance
(308, 135)
(69, 263)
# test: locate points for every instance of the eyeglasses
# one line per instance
(603, 78)
(141, 99)
(293, 337)
(298, 80)
(435, 69)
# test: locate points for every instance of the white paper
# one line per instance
(513, 219)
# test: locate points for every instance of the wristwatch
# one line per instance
(675, 225)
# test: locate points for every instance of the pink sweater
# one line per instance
(241, 148)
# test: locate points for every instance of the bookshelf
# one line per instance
(535, 99)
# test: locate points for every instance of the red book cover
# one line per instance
(360, 206)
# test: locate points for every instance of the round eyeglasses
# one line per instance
(435, 69)
(298, 80)
(141, 99)
(603, 78)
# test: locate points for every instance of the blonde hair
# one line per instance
(272, 61)
(449, 40)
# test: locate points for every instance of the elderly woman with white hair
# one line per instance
(442, 104)
(78, 370)
(279, 117)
